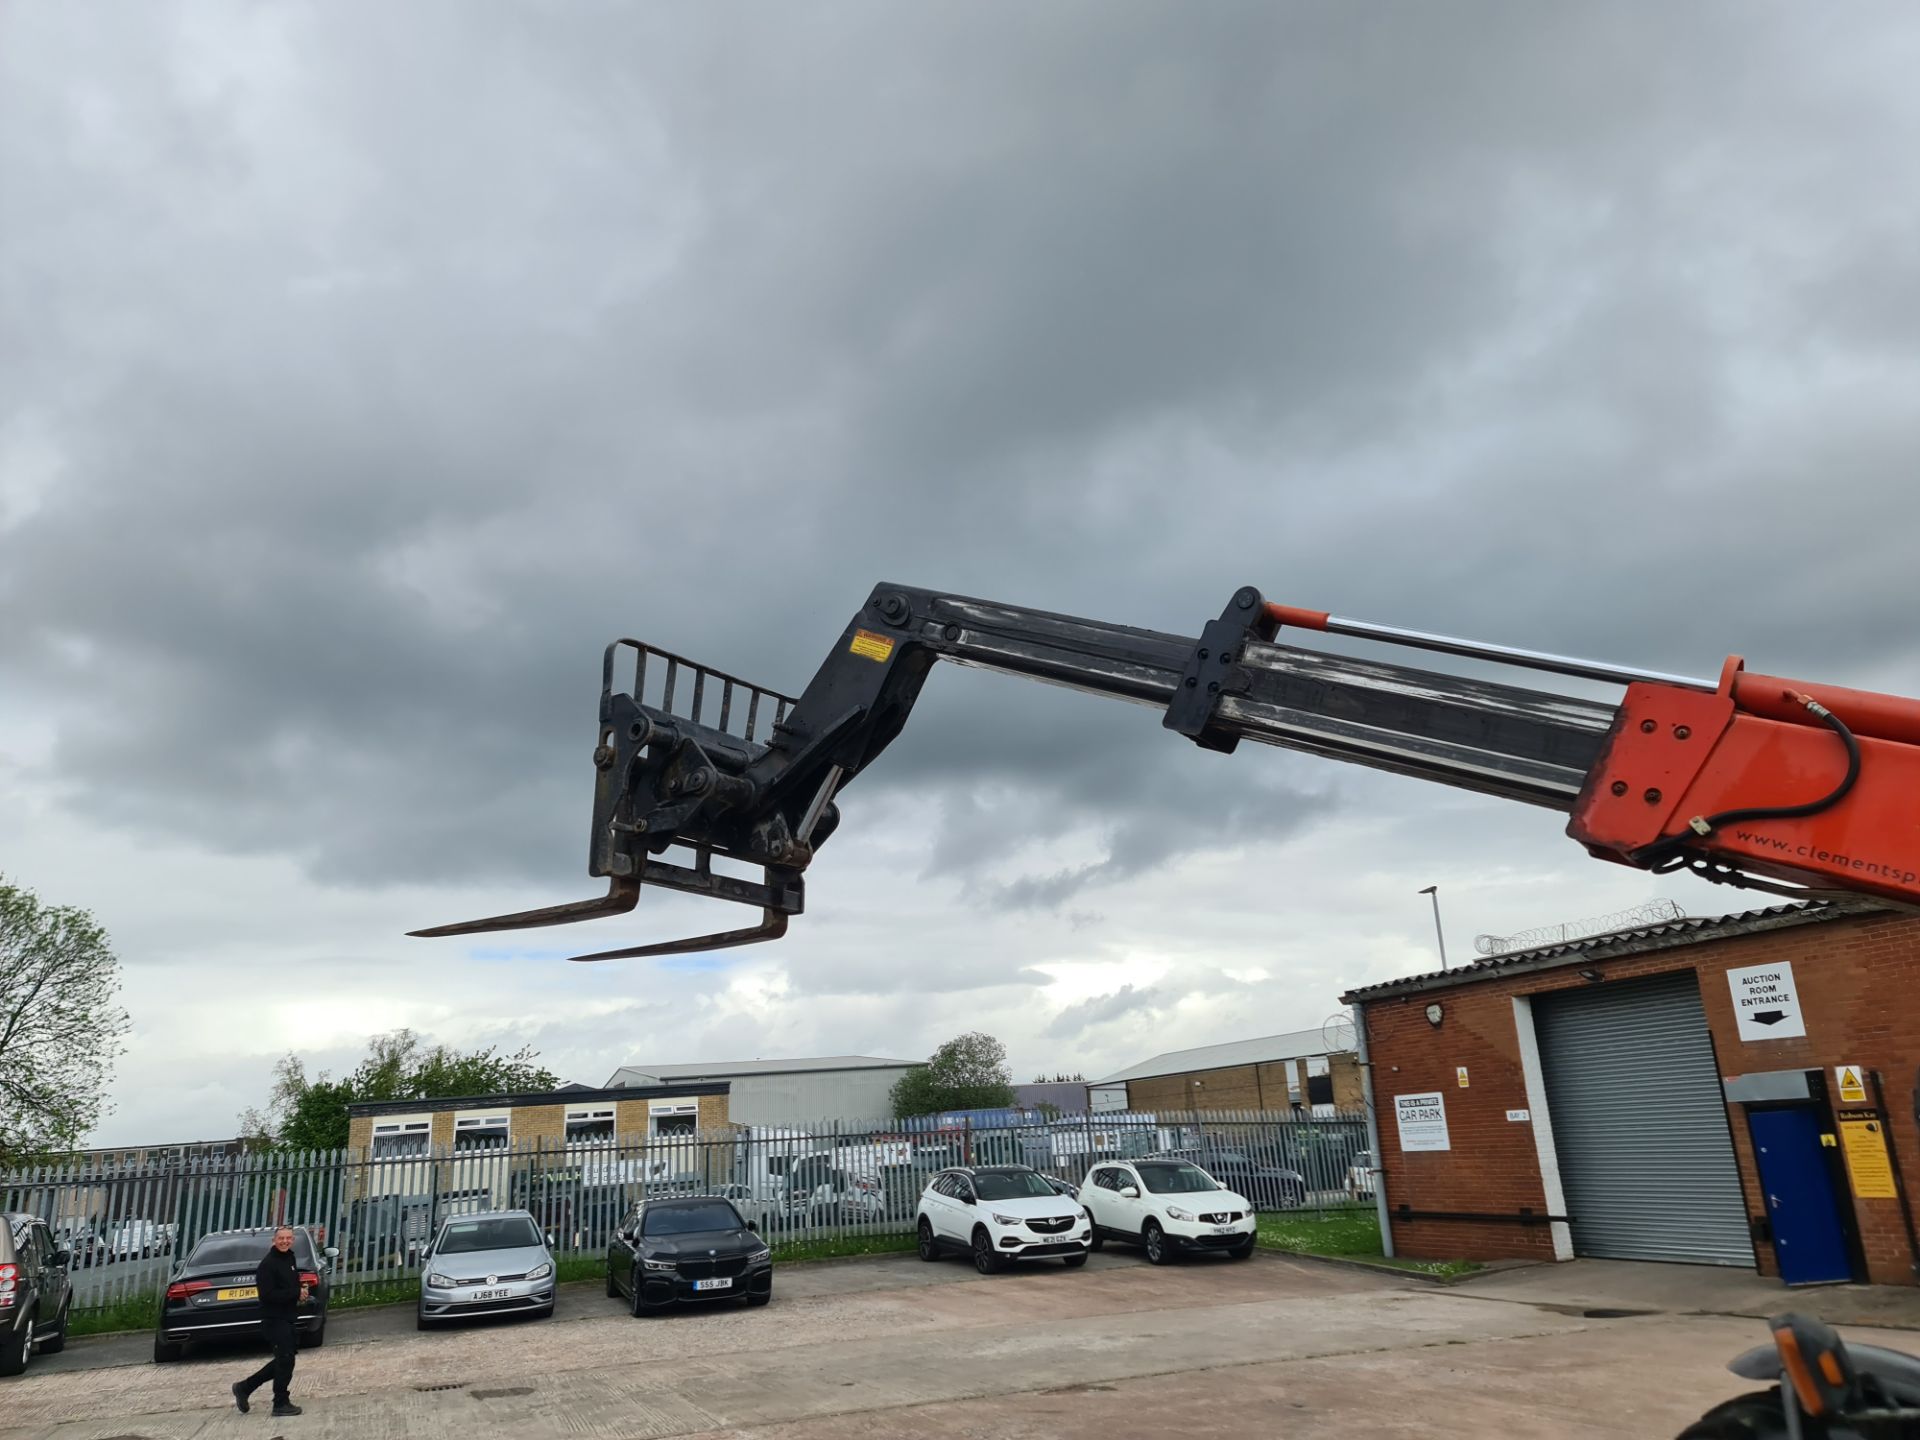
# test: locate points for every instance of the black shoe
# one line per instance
(287, 1409)
(239, 1397)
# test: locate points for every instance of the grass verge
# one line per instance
(834, 1246)
(1445, 1269)
(378, 1292)
(1347, 1235)
(136, 1313)
(580, 1267)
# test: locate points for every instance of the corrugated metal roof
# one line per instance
(1688, 931)
(1290, 1046)
(727, 1069)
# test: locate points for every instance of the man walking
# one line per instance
(278, 1280)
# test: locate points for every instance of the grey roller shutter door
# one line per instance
(1639, 1123)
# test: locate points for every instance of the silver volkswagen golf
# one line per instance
(489, 1264)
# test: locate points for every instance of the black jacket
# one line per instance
(279, 1280)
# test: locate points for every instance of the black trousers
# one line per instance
(279, 1333)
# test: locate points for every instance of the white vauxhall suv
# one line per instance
(1000, 1213)
(1165, 1207)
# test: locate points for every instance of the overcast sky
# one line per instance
(365, 368)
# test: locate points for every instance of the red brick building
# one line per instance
(1735, 1091)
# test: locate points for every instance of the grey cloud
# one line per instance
(1099, 1009)
(343, 417)
(951, 972)
(481, 384)
(1111, 773)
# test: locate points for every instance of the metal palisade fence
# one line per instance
(128, 1226)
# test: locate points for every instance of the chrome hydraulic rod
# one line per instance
(1480, 649)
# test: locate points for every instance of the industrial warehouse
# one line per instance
(1734, 1091)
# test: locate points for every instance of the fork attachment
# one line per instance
(692, 757)
(671, 775)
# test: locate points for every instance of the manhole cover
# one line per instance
(450, 1385)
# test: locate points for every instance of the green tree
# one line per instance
(969, 1072)
(388, 1072)
(442, 1072)
(311, 1114)
(302, 1114)
(60, 1025)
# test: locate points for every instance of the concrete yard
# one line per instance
(895, 1347)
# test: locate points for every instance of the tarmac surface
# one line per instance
(893, 1346)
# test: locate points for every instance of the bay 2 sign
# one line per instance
(1423, 1121)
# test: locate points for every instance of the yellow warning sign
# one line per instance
(870, 645)
(1867, 1162)
(1853, 1090)
(1461, 1072)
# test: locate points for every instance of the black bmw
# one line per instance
(212, 1294)
(694, 1250)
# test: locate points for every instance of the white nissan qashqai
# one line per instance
(1165, 1207)
(998, 1213)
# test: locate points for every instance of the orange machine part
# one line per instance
(1297, 617)
(1661, 740)
(1729, 759)
(1887, 717)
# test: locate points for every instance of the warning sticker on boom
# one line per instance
(870, 645)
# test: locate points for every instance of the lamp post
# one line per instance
(1438, 933)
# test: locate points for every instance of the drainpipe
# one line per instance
(1373, 1131)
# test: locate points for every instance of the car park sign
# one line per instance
(1423, 1121)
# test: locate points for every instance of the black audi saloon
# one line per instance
(212, 1295)
(692, 1250)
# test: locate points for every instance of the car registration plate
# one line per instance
(725, 1282)
(499, 1294)
(1223, 1229)
(248, 1292)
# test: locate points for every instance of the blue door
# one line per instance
(1807, 1239)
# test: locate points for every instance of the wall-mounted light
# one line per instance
(1435, 1014)
(1592, 976)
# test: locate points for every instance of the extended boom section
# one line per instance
(693, 764)
(1751, 781)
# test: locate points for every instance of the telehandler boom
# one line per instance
(1778, 785)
